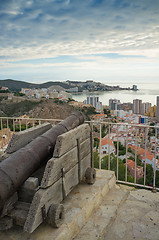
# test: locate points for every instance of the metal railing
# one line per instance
(116, 136)
(9, 125)
(135, 139)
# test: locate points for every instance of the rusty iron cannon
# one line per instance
(36, 178)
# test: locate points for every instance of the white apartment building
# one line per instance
(94, 101)
(137, 103)
(145, 107)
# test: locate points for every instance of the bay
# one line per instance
(147, 92)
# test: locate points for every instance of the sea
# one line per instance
(147, 92)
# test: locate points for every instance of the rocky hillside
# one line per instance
(43, 109)
(15, 109)
(50, 109)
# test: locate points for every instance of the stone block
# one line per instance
(31, 183)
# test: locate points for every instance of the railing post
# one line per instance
(117, 151)
(13, 125)
(109, 149)
(26, 122)
(135, 155)
(8, 135)
(100, 136)
(2, 132)
(91, 142)
(154, 174)
(126, 169)
(20, 125)
(145, 156)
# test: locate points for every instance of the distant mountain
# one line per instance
(15, 85)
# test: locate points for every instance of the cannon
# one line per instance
(35, 179)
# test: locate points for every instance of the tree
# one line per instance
(103, 130)
(96, 142)
(95, 129)
(149, 174)
(70, 100)
(107, 111)
(19, 94)
(122, 149)
(96, 159)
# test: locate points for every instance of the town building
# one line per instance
(74, 89)
(113, 104)
(131, 168)
(157, 109)
(146, 156)
(137, 105)
(105, 147)
(134, 88)
(94, 101)
(99, 117)
(152, 112)
(120, 113)
(145, 108)
(4, 88)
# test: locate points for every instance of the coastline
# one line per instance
(146, 94)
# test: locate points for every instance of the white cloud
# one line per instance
(48, 29)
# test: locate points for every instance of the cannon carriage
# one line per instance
(35, 179)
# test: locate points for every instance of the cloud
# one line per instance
(89, 30)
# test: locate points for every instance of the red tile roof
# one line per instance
(105, 141)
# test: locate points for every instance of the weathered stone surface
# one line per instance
(137, 218)
(100, 221)
(145, 196)
(125, 213)
(79, 206)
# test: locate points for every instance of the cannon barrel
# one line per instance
(20, 165)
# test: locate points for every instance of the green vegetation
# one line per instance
(19, 94)
(90, 111)
(56, 100)
(151, 131)
(107, 111)
(104, 128)
(113, 166)
(70, 100)
(149, 176)
(96, 159)
(139, 163)
(121, 171)
(122, 149)
(95, 129)
(96, 143)
(4, 91)
(17, 109)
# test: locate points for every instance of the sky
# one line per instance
(101, 40)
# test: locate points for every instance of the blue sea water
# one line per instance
(147, 92)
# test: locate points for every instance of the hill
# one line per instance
(49, 109)
(43, 109)
(15, 85)
(15, 109)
